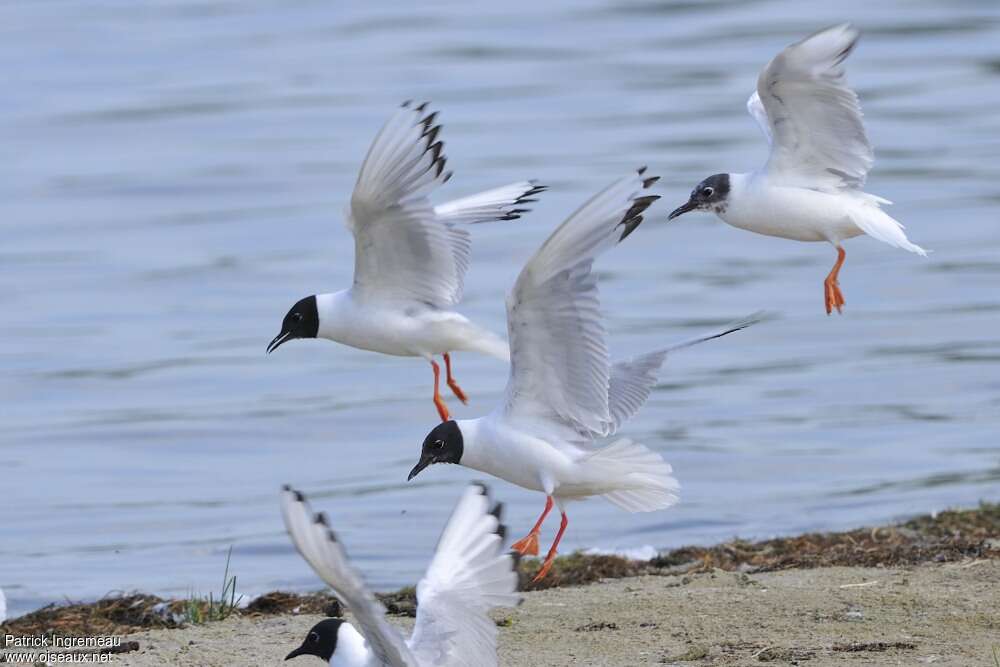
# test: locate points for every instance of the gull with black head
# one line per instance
(410, 257)
(811, 188)
(469, 574)
(563, 393)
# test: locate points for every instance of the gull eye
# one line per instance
(708, 192)
(438, 444)
(314, 637)
(296, 317)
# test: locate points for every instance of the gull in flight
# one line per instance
(563, 392)
(810, 189)
(410, 257)
(468, 575)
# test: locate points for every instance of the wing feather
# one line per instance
(508, 202)
(401, 249)
(318, 545)
(559, 358)
(814, 118)
(632, 380)
(469, 575)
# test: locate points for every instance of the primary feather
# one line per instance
(559, 358)
(469, 574)
(818, 139)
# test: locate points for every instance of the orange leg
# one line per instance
(834, 298)
(455, 389)
(528, 545)
(551, 556)
(438, 401)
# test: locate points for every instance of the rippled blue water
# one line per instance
(173, 178)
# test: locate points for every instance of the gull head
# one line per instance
(444, 444)
(302, 321)
(710, 195)
(321, 640)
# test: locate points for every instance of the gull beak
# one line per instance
(296, 653)
(278, 340)
(425, 460)
(690, 205)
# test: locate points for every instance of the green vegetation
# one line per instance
(200, 610)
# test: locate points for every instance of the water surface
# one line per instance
(173, 180)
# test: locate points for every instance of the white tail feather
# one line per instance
(645, 481)
(878, 224)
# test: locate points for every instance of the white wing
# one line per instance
(756, 109)
(819, 140)
(632, 380)
(503, 203)
(559, 361)
(469, 575)
(400, 249)
(314, 540)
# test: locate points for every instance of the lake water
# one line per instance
(173, 179)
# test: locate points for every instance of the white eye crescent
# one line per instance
(708, 192)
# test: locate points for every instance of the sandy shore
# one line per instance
(926, 591)
(947, 614)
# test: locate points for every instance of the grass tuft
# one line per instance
(199, 610)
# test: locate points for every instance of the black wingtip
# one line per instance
(535, 189)
(435, 150)
(526, 197)
(633, 217)
(497, 512)
(299, 496)
(431, 134)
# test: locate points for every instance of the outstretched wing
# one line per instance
(508, 202)
(314, 540)
(559, 360)
(819, 139)
(633, 380)
(469, 575)
(401, 250)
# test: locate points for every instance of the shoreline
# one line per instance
(927, 590)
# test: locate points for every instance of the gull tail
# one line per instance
(486, 342)
(878, 224)
(644, 481)
(504, 203)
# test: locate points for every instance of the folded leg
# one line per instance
(831, 288)
(438, 401)
(551, 556)
(528, 545)
(455, 389)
